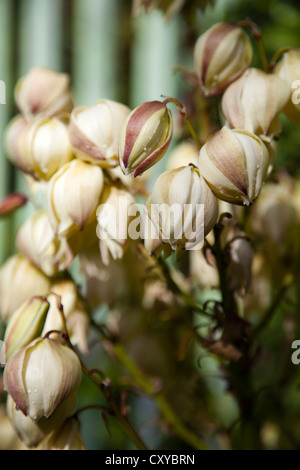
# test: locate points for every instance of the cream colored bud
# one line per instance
(73, 196)
(234, 164)
(43, 92)
(239, 269)
(113, 216)
(288, 68)
(15, 142)
(254, 101)
(65, 293)
(221, 55)
(30, 379)
(48, 146)
(19, 280)
(183, 207)
(145, 137)
(40, 147)
(67, 437)
(9, 439)
(33, 432)
(183, 154)
(94, 131)
(37, 241)
(25, 324)
(273, 215)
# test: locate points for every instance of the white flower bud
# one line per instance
(67, 437)
(25, 324)
(9, 439)
(183, 207)
(221, 55)
(94, 131)
(113, 216)
(40, 147)
(183, 154)
(37, 241)
(43, 92)
(30, 379)
(73, 196)
(33, 432)
(65, 292)
(239, 269)
(19, 280)
(15, 141)
(254, 101)
(48, 146)
(288, 68)
(234, 164)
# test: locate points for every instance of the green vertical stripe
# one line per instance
(95, 52)
(6, 38)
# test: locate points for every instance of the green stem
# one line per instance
(188, 123)
(122, 420)
(259, 41)
(179, 428)
(188, 299)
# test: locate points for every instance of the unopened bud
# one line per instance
(64, 295)
(145, 137)
(73, 196)
(288, 68)
(67, 437)
(221, 55)
(30, 379)
(94, 131)
(25, 325)
(37, 240)
(183, 207)
(19, 280)
(113, 216)
(234, 164)
(254, 101)
(32, 432)
(43, 92)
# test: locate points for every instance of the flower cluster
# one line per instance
(96, 197)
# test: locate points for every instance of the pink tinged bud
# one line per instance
(41, 376)
(254, 101)
(43, 92)
(37, 240)
(235, 164)
(94, 131)
(16, 144)
(145, 137)
(73, 196)
(11, 203)
(25, 325)
(221, 55)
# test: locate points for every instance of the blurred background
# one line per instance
(112, 53)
